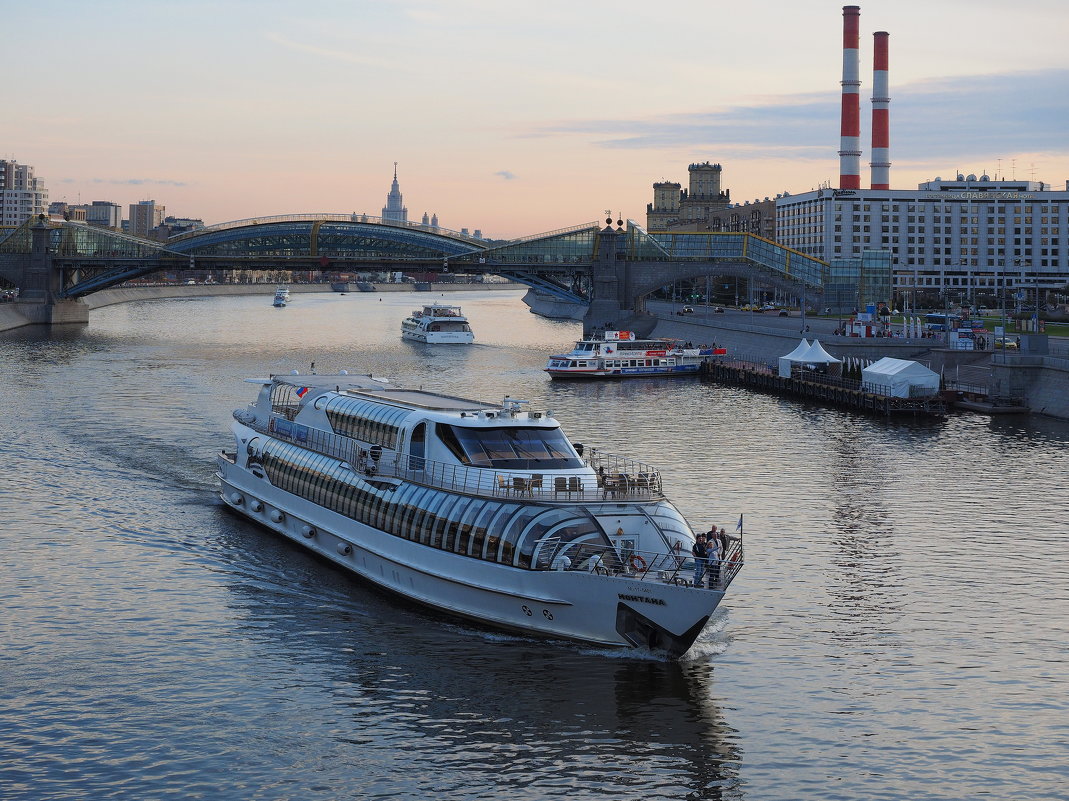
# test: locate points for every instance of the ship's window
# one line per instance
(495, 524)
(513, 447)
(540, 527)
(423, 519)
(446, 517)
(397, 505)
(489, 521)
(406, 513)
(366, 420)
(561, 531)
(461, 530)
(417, 447)
(511, 531)
(437, 509)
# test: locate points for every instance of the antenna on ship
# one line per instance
(313, 368)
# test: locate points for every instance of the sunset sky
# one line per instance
(514, 118)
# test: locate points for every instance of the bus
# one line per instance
(942, 322)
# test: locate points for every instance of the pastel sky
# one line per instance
(513, 118)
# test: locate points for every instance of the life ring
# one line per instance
(638, 563)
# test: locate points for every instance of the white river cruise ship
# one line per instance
(618, 354)
(438, 323)
(481, 510)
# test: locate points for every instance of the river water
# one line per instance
(899, 630)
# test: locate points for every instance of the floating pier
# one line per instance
(820, 388)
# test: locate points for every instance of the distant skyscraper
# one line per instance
(104, 213)
(21, 195)
(144, 216)
(394, 210)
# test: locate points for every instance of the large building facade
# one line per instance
(145, 216)
(395, 210)
(22, 195)
(705, 206)
(970, 236)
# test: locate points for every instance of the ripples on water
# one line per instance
(898, 631)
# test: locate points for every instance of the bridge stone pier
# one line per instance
(40, 284)
(621, 283)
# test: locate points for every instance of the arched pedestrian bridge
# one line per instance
(609, 269)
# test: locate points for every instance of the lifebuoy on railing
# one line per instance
(638, 563)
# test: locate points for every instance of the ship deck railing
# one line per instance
(674, 567)
(613, 478)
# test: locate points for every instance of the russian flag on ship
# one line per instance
(302, 391)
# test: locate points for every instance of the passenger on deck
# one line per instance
(701, 555)
(715, 554)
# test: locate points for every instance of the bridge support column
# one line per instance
(42, 284)
(611, 306)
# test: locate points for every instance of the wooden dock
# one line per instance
(821, 389)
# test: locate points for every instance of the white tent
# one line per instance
(793, 356)
(817, 355)
(897, 377)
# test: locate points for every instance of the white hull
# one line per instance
(439, 337)
(573, 605)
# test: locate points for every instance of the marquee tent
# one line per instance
(786, 361)
(899, 378)
(817, 355)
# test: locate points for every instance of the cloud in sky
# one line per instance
(126, 181)
(506, 174)
(955, 118)
(328, 53)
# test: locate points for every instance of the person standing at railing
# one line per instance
(701, 556)
(715, 553)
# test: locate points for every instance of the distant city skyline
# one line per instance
(514, 119)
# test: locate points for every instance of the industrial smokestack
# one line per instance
(850, 130)
(881, 131)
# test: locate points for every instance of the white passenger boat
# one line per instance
(438, 323)
(618, 354)
(481, 510)
(282, 296)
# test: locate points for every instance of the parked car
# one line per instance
(688, 310)
(783, 313)
(718, 310)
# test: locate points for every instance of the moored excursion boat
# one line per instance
(618, 354)
(438, 323)
(481, 510)
(282, 296)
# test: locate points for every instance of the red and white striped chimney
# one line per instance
(850, 130)
(881, 100)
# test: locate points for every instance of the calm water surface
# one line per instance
(899, 630)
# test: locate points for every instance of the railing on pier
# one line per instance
(614, 478)
(821, 387)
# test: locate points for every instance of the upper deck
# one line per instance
(371, 427)
(439, 311)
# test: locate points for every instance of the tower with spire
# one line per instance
(394, 210)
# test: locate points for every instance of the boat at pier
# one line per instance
(481, 510)
(282, 297)
(619, 354)
(438, 323)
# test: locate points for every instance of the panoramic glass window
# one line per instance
(510, 448)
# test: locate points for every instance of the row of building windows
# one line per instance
(493, 530)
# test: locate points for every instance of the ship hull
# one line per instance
(601, 610)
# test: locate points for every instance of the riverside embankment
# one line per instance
(1037, 380)
(17, 315)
